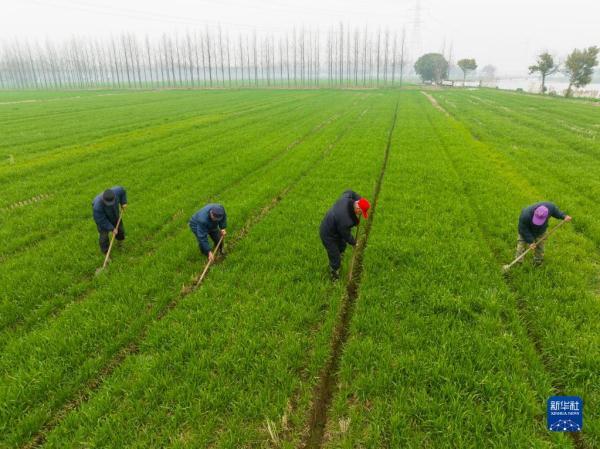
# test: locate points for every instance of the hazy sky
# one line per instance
(507, 34)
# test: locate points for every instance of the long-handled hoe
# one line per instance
(209, 263)
(506, 268)
(112, 241)
(353, 254)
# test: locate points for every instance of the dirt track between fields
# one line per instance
(435, 103)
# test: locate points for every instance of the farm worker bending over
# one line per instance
(210, 220)
(336, 227)
(106, 215)
(533, 223)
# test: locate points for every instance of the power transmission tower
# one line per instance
(416, 33)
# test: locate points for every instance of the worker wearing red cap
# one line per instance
(336, 227)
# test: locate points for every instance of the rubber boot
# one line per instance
(335, 274)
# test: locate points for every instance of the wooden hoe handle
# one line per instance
(112, 240)
(540, 240)
(209, 263)
(353, 255)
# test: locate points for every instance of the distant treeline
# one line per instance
(209, 58)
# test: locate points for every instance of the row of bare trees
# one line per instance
(342, 57)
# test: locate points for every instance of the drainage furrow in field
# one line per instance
(521, 304)
(163, 230)
(435, 104)
(535, 339)
(143, 326)
(328, 379)
(470, 205)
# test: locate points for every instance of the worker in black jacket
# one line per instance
(336, 227)
(106, 215)
(533, 223)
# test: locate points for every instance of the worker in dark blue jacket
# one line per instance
(336, 227)
(533, 223)
(106, 215)
(211, 221)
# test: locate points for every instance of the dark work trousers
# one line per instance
(104, 237)
(215, 236)
(335, 248)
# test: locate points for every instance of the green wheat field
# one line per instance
(439, 348)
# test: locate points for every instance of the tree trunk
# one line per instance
(255, 62)
(543, 83)
(209, 59)
(378, 53)
(402, 56)
(569, 92)
(341, 72)
(222, 58)
(394, 53)
(241, 59)
(190, 57)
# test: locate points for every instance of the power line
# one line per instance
(144, 15)
(180, 20)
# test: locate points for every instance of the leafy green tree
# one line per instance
(545, 66)
(466, 65)
(579, 67)
(432, 67)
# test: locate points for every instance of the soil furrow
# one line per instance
(328, 379)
